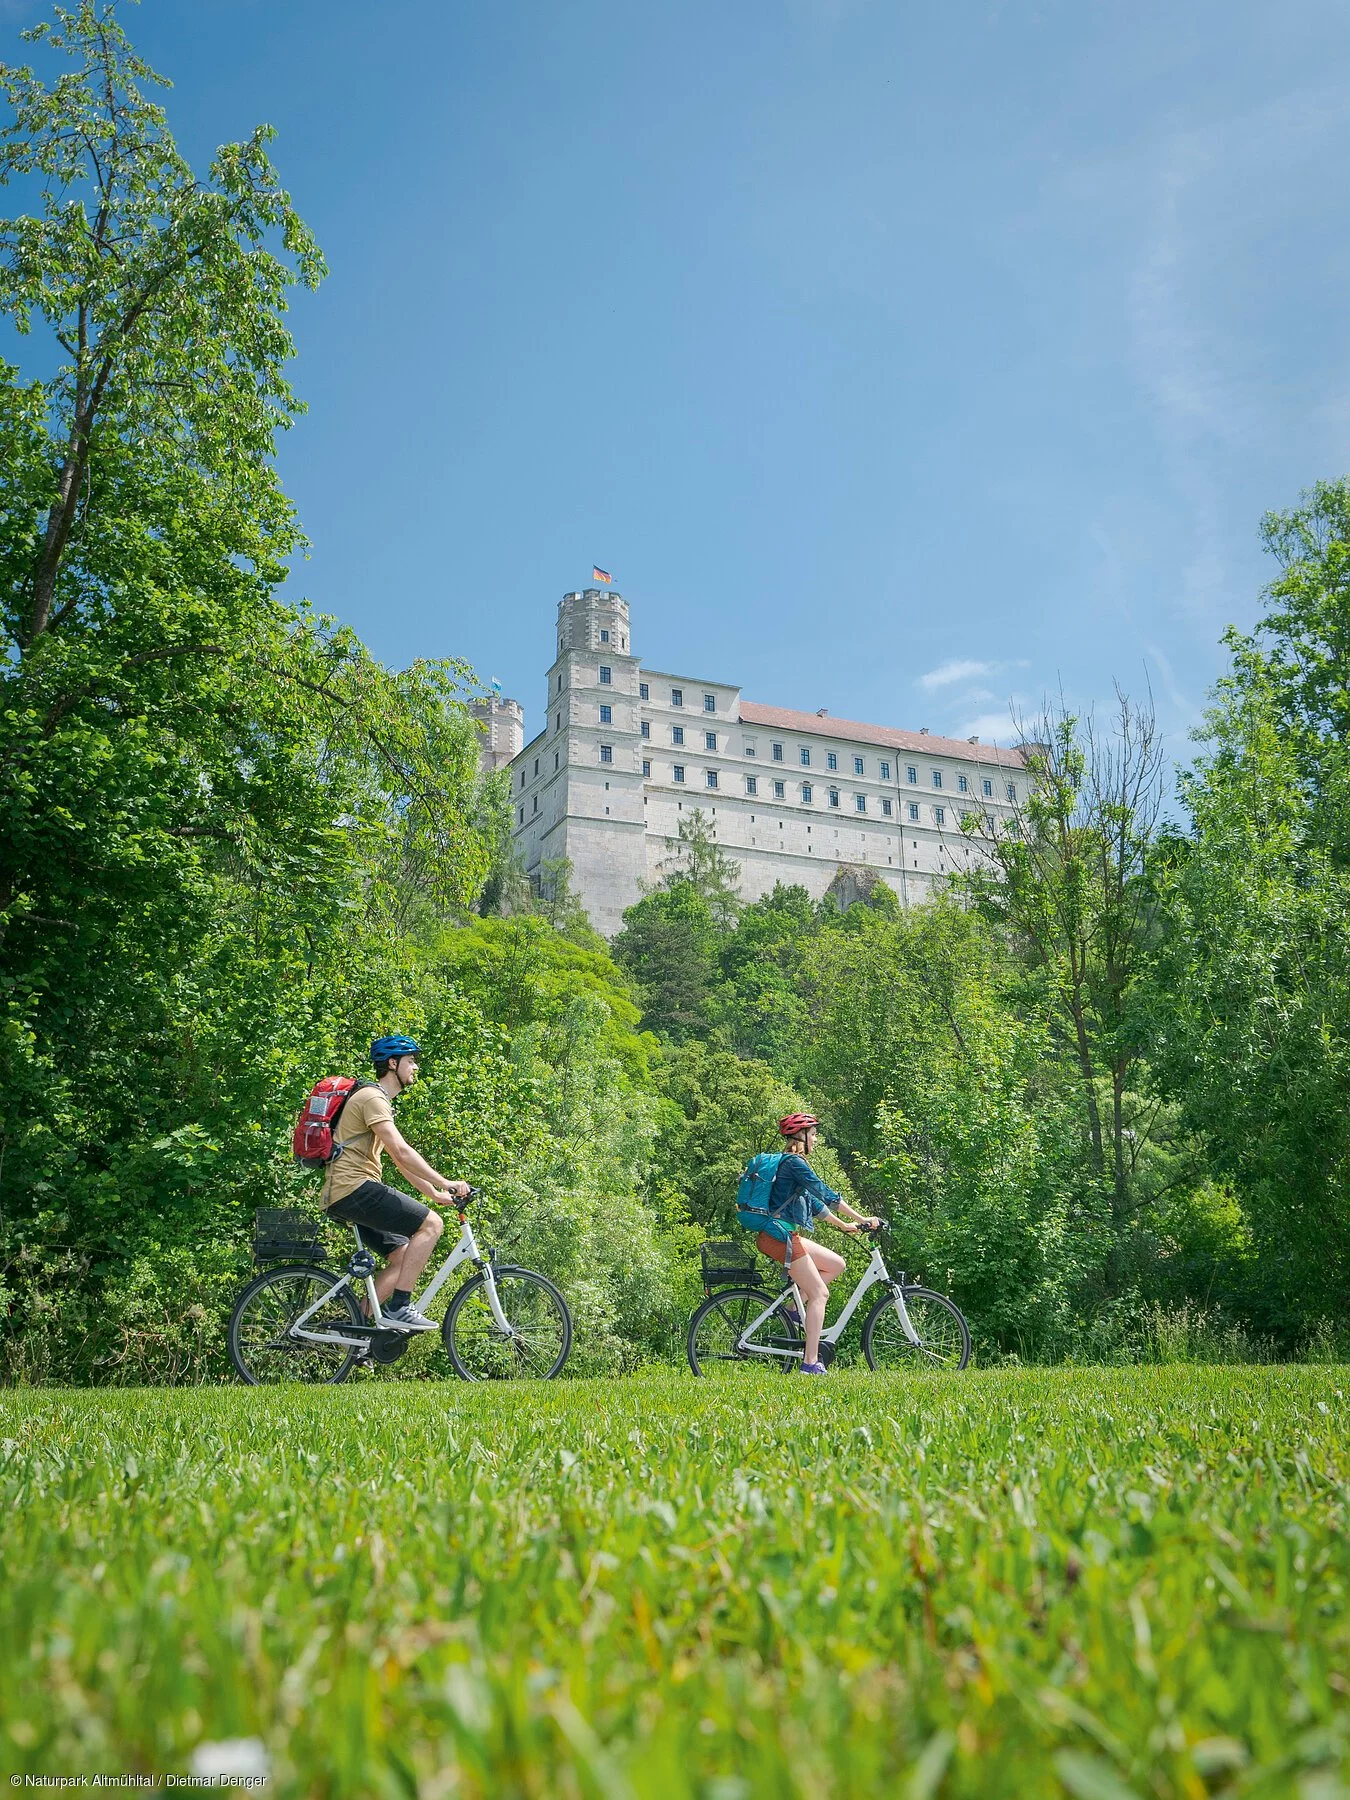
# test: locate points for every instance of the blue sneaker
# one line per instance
(792, 1314)
(813, 1368)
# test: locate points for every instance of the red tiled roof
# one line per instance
(782, 718)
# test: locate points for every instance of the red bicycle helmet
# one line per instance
(796, 1123)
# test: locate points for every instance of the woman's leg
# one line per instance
(813, 1269)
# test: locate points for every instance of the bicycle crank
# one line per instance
(387, 1346)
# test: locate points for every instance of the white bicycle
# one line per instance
(297, 1321)
(735, 1329)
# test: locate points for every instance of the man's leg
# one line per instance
(412, 1258)
(390, 1276)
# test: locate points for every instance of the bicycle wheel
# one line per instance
(537, 1344)
(944, 1337)
(261, 1347)
(716, 1329)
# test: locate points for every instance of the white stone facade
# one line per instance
(627, 752)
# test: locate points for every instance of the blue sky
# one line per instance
(895, 358)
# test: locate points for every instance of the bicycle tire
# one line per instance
(716, 1325)
(934, 1317)
(293, 1360)
(474, 1342)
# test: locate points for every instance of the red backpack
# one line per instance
(312, 1140)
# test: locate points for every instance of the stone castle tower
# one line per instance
(592, 782)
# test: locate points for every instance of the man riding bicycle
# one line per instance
(393, 1224)
(811, 1266)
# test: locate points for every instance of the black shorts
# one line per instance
(387, 1218)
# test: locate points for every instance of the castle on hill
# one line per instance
(626, 752)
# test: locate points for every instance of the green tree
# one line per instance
(1066, 876)
(1251, 1008)
(667, 945)
(700, 863)
(217, 812)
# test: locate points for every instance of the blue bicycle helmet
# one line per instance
(386, 1047)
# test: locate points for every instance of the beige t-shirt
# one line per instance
(361, 1152)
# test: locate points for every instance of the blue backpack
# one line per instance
(754, 1210)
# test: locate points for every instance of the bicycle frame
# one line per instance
(465, 1250)
(873, 1275)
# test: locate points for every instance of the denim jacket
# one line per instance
(798, 1194)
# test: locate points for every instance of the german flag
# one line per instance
(602, 575)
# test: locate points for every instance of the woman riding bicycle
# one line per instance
(811, 1266)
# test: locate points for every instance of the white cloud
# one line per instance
(946, 673)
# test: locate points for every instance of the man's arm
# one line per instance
(418, 1170)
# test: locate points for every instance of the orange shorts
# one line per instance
(776, 1250)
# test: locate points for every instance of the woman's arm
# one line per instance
(842, 1206)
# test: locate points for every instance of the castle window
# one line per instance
(805, 755)
(558, 689)
(886, 806)
(937, 778)
(606, 675)
(677, 696)
(606, 715)
(677, 773)
(885, 771)
(644, 692)
(710, 740)
(858, 765)
(677, 734)
(831, 760)
(752, 784)
(914, 811)
(963, 784)
(710, 778)
(988, 788)
(834, 796)
(778, 753)
(607, 753)
(646, 765)
(1012, 791)
(604, 637)
(808, 793)
(710, 703)
(555, 762)
(520, 816)
(536, 803)
(911, 773)
(939, 815)
(646, 728)
(557, 722)
(860, 803)
(522, 778)
(780, 790)
(536, 767)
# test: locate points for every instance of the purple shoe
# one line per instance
(813, 1368)
(792, 1314)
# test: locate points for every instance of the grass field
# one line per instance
(1087, 1582)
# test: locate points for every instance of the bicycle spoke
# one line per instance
(534, 1346)
(715, 1335)
(942, 1339)
(263, 1344)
